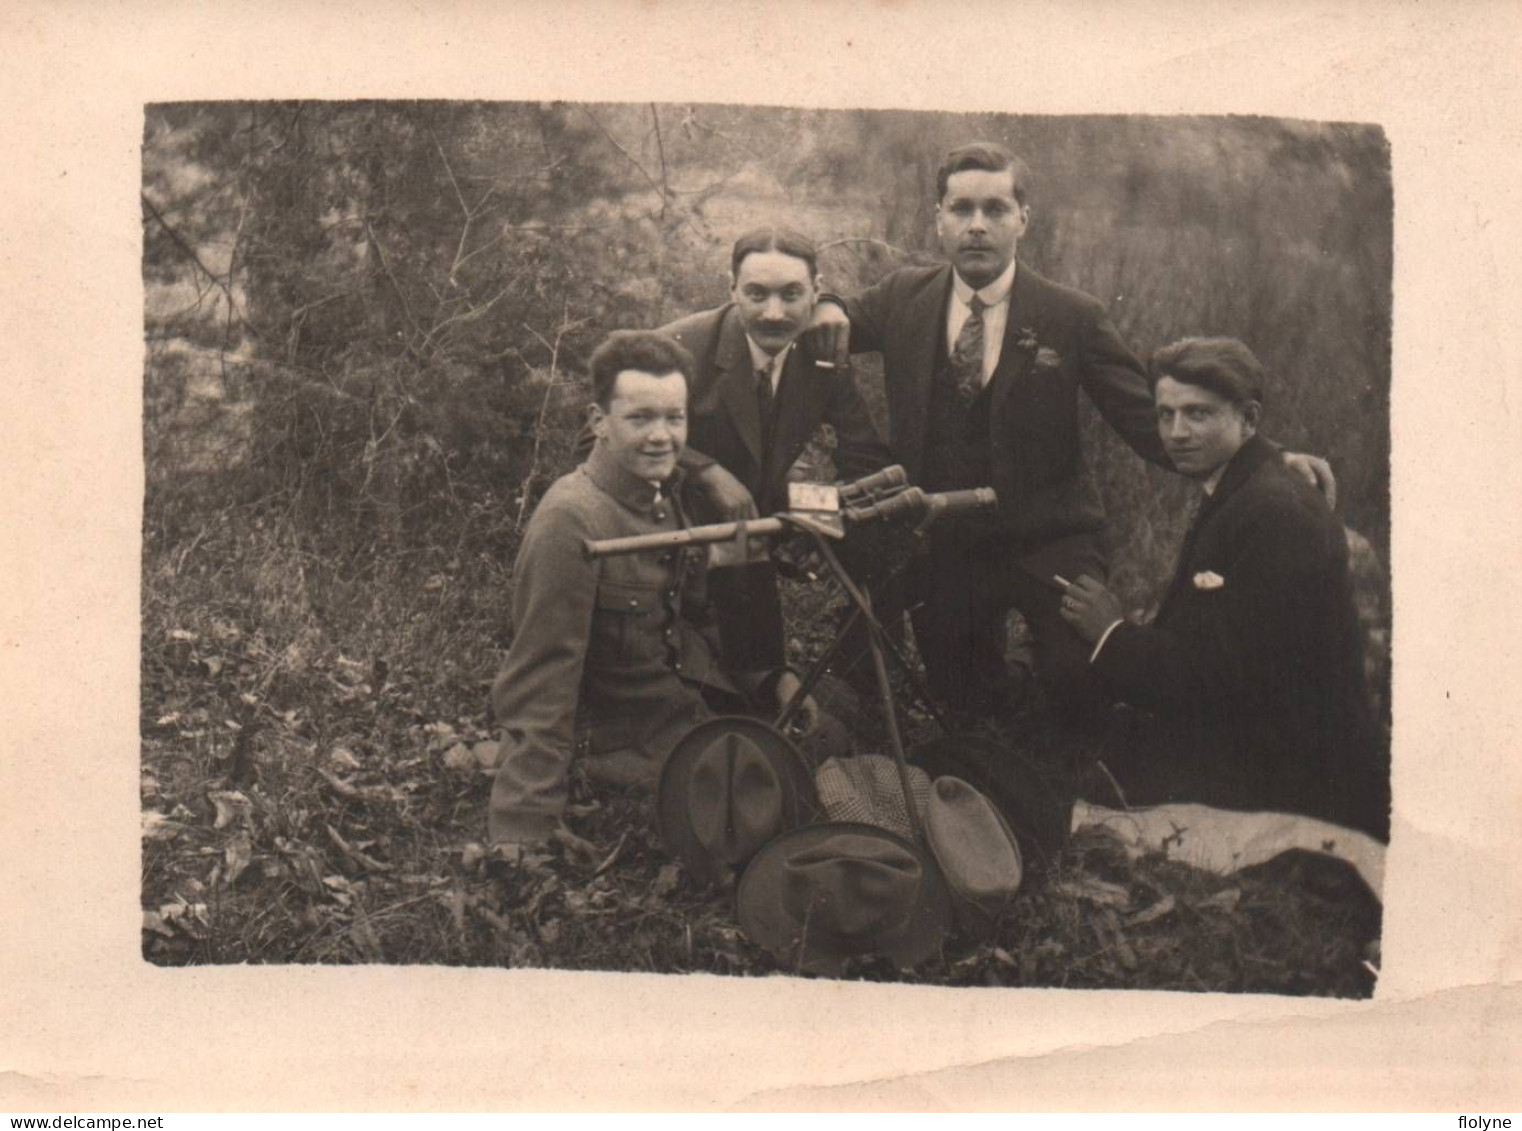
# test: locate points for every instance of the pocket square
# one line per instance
(1209, 579)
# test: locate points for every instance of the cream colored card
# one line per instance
(89, 1026)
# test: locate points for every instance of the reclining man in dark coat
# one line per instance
(1251, 676)
(614, 659)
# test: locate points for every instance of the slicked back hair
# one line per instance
(643, 350)
(774, 238)
(1223, 365)
(988, 156)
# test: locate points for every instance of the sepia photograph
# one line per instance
(767, 541)
(860, 556)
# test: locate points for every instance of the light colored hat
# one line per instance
(867, 789)
(976, 851)
(730, 785)
(819, 895)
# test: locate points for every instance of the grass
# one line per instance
(328, 702)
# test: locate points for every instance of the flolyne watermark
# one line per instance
(1485, 1122)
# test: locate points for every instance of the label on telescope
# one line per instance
(813, 497)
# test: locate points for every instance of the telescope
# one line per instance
(883, 497)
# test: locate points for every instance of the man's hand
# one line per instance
(807, 717)
(828, 334)
(1317, 472)
(727, 494)
(1089, 607)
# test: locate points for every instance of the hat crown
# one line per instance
(971, 842)
(734, 798)
(868, 789)
(850, 887)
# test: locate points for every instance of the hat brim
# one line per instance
(800, 804)
(1020, 793)
(766, 921)
(975, 913)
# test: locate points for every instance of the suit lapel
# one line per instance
(793, 408)
(925, 326)
(1024, 312)
(1247, 460)
(737, 384)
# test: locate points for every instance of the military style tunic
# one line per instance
(610, 657)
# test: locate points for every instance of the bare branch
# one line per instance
(660, 147)
(566, 326)
(844, 240)
(190, 253)
(386, 265)
(614, 141)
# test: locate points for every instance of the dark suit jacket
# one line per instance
(1045, 493)
(724, 423)
(1256, 684)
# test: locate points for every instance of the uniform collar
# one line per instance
(636, 494)
(991, 295)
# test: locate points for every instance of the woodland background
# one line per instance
(365, 329)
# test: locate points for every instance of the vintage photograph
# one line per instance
(691, 538)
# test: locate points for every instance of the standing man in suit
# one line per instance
(983, 360)
(758, 393)
(1251, 675)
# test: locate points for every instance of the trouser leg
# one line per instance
(1074, 694)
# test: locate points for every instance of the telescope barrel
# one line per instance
(671, 539)
(963, 502)
(907, 506)
(890, 478)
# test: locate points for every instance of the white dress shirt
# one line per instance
(995, 298)
(760, 359)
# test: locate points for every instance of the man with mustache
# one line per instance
(983, 360)
(613, 660)
(759, 394)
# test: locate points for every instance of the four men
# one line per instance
(983, 361)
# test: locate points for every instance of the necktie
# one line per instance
(967, 353)
(764, 404)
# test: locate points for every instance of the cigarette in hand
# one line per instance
(1062, 581)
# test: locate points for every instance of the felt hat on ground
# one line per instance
(730, 785)
(1039, 814)
(867, 790)
(977, 853)
(822, 894)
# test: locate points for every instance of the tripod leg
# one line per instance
(815, 674)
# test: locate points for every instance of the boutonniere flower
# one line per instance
(1208, 580)
(1045, 356)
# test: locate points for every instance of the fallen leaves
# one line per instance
(482, 756)
(237, 855)
(363, 859)
(1092, 890)
(232, 806)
